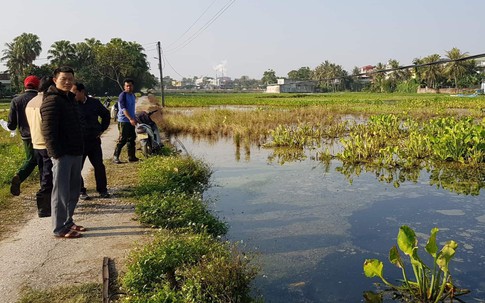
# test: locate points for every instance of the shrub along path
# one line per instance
(32, 257)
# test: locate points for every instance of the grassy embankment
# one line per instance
(187, 261)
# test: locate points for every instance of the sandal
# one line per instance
(70, 234)
(78, 228)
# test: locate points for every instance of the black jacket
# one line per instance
(91, 110)
(16, 116)
(61, 124)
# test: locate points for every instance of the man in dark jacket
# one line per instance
(63, 133)
(91, 111)
(16, 118)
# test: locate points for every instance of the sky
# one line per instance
(237, 38)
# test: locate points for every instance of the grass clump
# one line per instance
(188, 268)
(176, 174)
(182, 211)
(85, 293)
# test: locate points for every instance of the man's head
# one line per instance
(64, 78)
(80, 91)
(129, 85)
(31, 82)
(45, 83)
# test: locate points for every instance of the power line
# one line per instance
(192, 25)
(204, 27)
(149, 44)
(166, 60)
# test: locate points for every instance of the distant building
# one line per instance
(5, 80)
(176, 83)
(291, 86)
(366, 73)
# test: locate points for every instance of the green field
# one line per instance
(340, 102)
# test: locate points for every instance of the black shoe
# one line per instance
(104, 195)
(84, 196)
(134, 159)
(116, 160)
(15, 186)
(44, 214)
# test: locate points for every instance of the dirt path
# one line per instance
(33, 257)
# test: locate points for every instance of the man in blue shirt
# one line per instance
(126, 123)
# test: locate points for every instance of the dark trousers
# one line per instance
(92, 151)
(29, 163)
(43, 195)
(128, 137)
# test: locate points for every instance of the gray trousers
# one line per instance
(66, 174)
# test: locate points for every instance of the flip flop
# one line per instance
(78, 228)
(69, 235)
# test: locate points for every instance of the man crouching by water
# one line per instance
(63, 133)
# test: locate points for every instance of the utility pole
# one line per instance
(161, 73)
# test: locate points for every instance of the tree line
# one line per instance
(332, 77)
(101, 67)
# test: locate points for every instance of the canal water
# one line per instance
(311, 229)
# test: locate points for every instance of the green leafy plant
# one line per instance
(430, 284)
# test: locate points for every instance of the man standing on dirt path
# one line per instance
(44, 162)
(92, 110)
(63, 132)
(16, 118)
(126, 123)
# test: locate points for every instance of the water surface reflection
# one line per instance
(313, 228)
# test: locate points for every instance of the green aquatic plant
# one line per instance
(430, 284)
(458, 140)
(299, 136)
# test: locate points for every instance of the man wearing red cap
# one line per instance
(17, 119)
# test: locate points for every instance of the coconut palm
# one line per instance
(62, 52)
(20, 55)
(397, 75)
(455, 69)
(418, 71)
(329, 75)
(432, 73)
(378, 78)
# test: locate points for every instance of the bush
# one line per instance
(11, 152)
(179, 211)
(188, 268)
(173, 174)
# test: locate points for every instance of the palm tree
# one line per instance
(455, 69)
(329, 75)
(20, 55)
(62, 53)
(396, 76)
(378, 78)
(418, 71)
(433, 72)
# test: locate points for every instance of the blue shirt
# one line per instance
(126, 101)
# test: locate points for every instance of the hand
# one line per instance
(133, 122)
